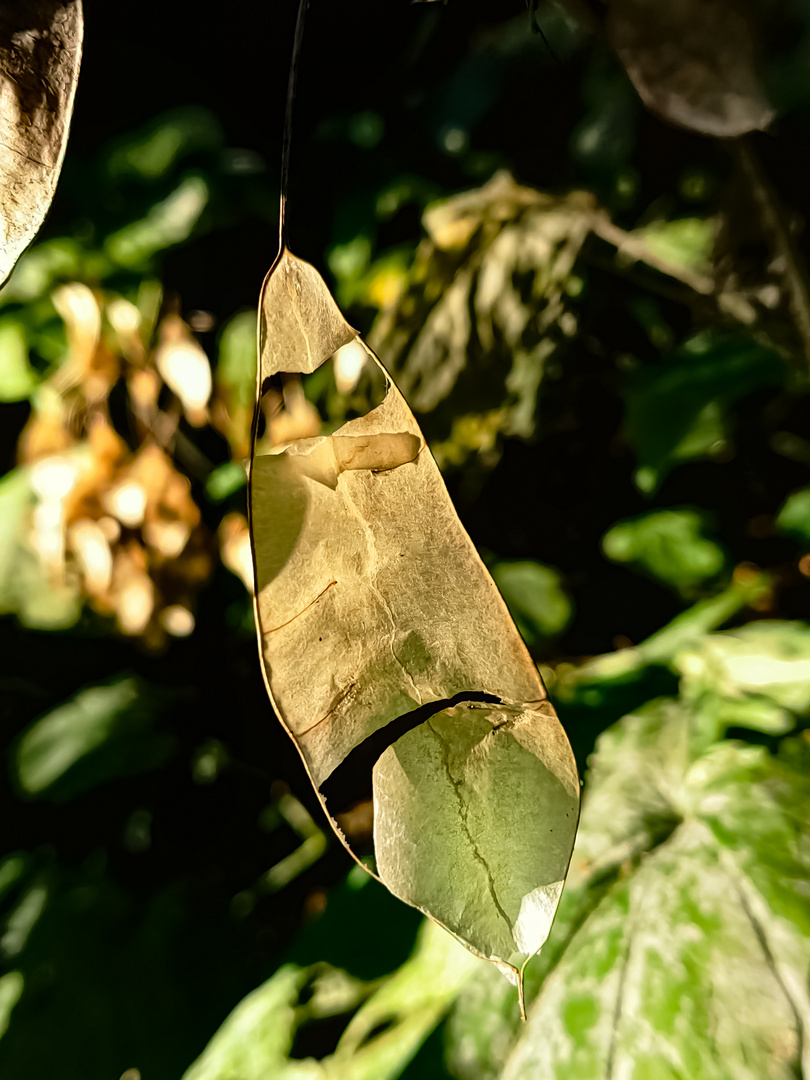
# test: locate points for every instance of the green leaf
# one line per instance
(694, 960)
(235, 379)
(668, 545)
(155, 150)
(102, 732)
(685, 243)
(17, 380)
(256, 1040)
(794, 517)
(759, 672)
(535, 597)
(676, 409)
(592, 680)
(168, 223)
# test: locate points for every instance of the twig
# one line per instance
(635, 247)
(773, 219)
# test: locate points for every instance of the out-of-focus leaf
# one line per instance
(484, 308)
(184, 366)
(667, 544)
(591, 680)
(759, 673)
(794, 517)
(168, 223)
(695, 958)
(535, 597)
(692, 62)
(17, 380)
(676, 409)
(363, 568)
(155, 150)
(40, 52)
(11, 988)
(235, 382)
(61, 259)
(103, 732)
(255, 1041)
(685, 243)
(39, 599)
(16, 498)
(224, 481)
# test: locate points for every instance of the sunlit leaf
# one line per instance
(758, 676)
(40, 52)
(383, 635)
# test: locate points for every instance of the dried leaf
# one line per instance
(485, 307)
(389, 653)
(40, 51)
(692, 62)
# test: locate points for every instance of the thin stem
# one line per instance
(285, 149)
(782, 243)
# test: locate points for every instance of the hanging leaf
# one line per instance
(40, 51)
(388, 652)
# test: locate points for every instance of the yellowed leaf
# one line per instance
(388, 651)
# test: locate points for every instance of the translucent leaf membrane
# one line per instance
(388, 651)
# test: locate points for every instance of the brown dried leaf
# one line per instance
(40, 52)
(692, 62)
(381, 630)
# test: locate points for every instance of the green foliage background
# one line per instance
(628, 449)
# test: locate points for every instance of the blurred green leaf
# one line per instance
(667, 544)
(41, 266)
(794, 517)
(15, 499)
(535, 597)
(379, 1039)
(235, 379)
(11, 988)
(156, 149)
(685, 243)
(168, 223)
(759, 672)
(224, 481)
(695, 960)
(590, 682)
(17, 380)
(676, 409)
(101, 733)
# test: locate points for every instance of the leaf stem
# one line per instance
(287, 141)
